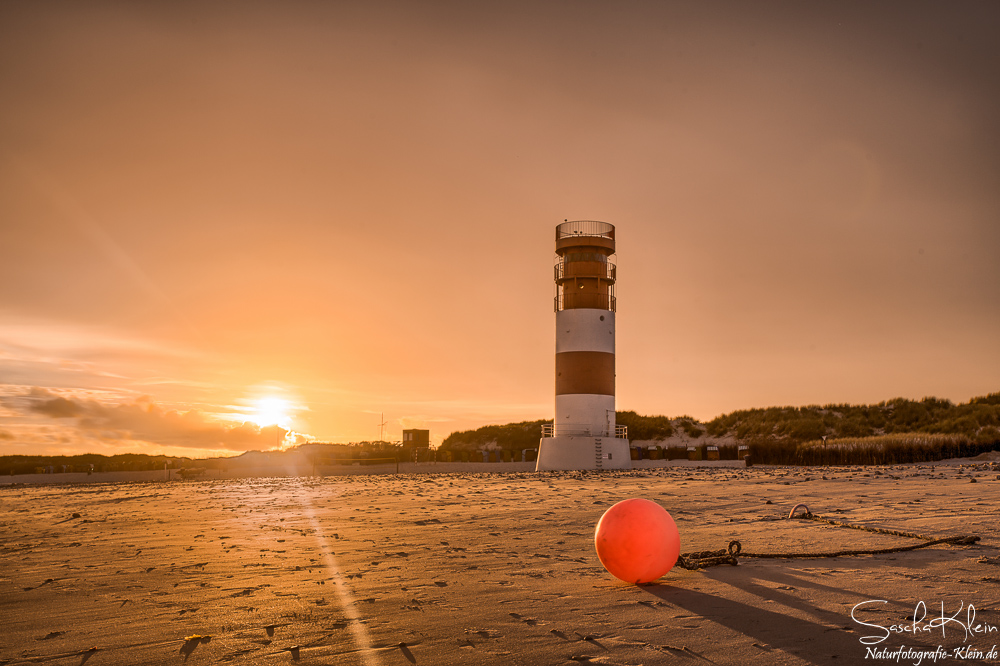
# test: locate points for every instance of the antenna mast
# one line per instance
(381, 426)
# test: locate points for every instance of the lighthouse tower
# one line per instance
(584, 434)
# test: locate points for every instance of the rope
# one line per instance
(711, 558)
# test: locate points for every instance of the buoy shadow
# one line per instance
(753, 582)
(813, 642)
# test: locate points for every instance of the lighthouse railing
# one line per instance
(585, 228)
(581, 430)
(603, 270)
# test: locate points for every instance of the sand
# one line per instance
(491, 568)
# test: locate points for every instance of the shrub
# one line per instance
(645, 427)
(512, 436)
(991, 399)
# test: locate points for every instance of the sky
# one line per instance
(230, 226)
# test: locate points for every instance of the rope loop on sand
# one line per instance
(807, 514)
(711, 558)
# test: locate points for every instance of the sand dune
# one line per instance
(486, 568)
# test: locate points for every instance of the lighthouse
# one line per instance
(584, 434)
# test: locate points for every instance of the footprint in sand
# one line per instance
(50, 635)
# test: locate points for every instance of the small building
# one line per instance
(421, 438)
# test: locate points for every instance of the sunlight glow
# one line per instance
(270, 411)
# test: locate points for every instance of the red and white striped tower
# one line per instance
(584, 434)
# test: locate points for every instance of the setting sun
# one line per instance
(270, 411)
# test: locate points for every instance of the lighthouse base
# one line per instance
(567, 453)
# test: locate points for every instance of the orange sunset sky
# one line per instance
(347, 208)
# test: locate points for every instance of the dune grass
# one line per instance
(897, 448)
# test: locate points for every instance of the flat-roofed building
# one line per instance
(420, 438)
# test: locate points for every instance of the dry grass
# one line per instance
(878, 450)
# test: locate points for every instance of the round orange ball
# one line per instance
(637, 541)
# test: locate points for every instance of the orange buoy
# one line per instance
(637, 541)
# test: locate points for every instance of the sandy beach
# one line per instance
(496, 568)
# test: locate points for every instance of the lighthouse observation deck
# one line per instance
(584, 233)
(585, 271)
(585, 228)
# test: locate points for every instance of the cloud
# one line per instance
(6, 435)
(144, 420)
(57, 408)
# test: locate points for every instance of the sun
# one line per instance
(270, 411)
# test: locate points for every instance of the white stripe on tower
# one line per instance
(585, 414)
(585, 330)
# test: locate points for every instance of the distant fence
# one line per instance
(433, 456)
(690, 452)
(335, 461)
